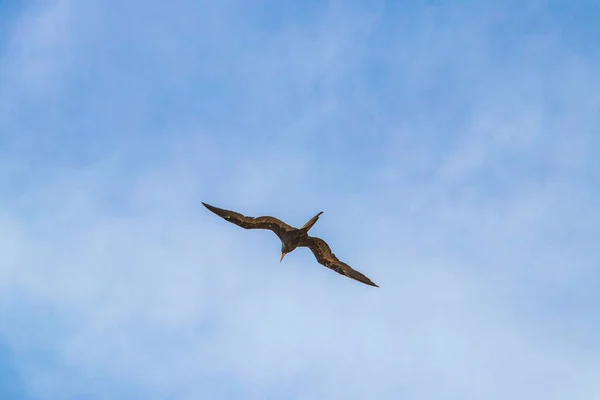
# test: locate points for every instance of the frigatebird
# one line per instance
(291, 238)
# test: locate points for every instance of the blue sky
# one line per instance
(452, 147)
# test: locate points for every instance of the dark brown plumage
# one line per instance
(291, 238)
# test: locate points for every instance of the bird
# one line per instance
(292, 238)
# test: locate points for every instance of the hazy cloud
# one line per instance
(452, 150)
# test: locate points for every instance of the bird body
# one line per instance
(292, 238)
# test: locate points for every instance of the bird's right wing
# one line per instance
(266, 222)
(325, 256)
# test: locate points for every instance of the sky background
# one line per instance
(454, 148)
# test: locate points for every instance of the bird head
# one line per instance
(284, 250)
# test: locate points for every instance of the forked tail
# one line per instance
(311, 222)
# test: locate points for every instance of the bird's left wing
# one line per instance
(325, 256)
(266, 222)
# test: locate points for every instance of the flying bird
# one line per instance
(291, 238)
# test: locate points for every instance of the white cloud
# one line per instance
(117, 282)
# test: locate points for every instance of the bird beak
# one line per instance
(282, 255)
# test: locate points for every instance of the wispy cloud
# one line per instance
(452, 149)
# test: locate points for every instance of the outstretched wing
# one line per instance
(271, 223)
(325, 256)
